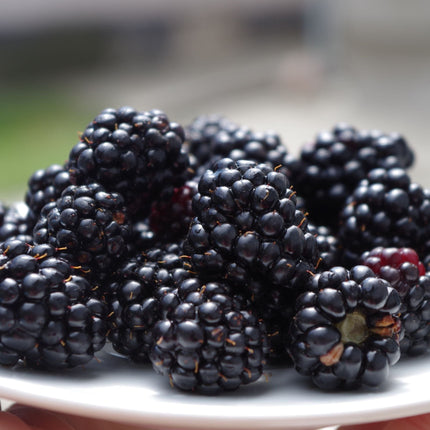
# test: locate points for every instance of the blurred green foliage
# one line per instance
(36, 129)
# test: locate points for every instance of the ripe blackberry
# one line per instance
(403, 270)
(141, 294)
(17, 222)
(88, 226)
(136, 154)
(209, 341)
(248, 232)
(346, 329)
(45, 186)
(170, 219)
(212, 137)
(328, 246)
(333, 165)
(386, 210)
(247, 228)
(200, 135)
(50, 317)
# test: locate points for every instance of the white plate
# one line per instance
(117, 390)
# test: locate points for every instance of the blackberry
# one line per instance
(248, 232)
(386, 210)
(332, 166)
(345, 332)
(170, 219)
(45, 186)
(89, 227)
(212, 137)
(328, 246)
(17, 222)
(200, 135)
(402, 268)
(142, 292)
(210, 340)
(136, 154)
(50, 317)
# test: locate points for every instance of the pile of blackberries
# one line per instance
(210, 251)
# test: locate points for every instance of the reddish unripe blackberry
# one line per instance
(170, 219)
(45, 186)
(346, 331)
(336, 161)
(210, 340)
(50, 317)
(89, 227)
(142, 292)
(136, 154)
(402, 268)
(385, 210)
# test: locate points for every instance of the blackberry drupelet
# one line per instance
(212, 137)
(386, 210)
(50, 317)
(143, 291)
(403, 270)
(332, 166)
(17, 222)
(248, 231)
(89, 227)
(328, 246)
(142, 238)
(200, 135)
(345, 332)
(210, 341)
(45, 186)
(136, 154)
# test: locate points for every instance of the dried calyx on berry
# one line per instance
(403, 270)
(346, 329)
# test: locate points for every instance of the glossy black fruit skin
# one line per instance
(89, 227)
(385, 210)
(50, 317)
(210, 138)
(136, 154)
(247, 228)
(328, 247)
(142, 291)
(17, 222)
(333, 164)
(45, 186)
(211, 341)
(248, 231)
(346, 331)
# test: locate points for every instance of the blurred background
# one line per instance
(293, 66)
